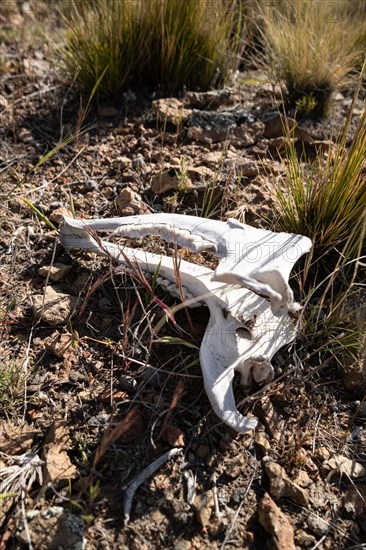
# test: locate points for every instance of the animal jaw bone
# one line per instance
(257, 259)
(243, 333)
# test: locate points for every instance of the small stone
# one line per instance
(170, 109)
(107, 110)
(52, 529)
(304, 539)
(128, 202)
(58, 215)
(204, 504)
(55, 272)
(200, 173)
(52, 307)
(182, 545)
(211, 125)
(214, 159)
(107, 192)
(138, 162)
(318, 525)
(25, 135)
(343, 465)
(168, 180)
(262, 442)
(121, 163)
(127, 383)
(91, 185)
(235, 466)
(212, 99)
(55, 204)
(276, 523)
(354, 501)
(302, 479)
(246, 168)
(276, 126)
(321, 453)
(280, 485)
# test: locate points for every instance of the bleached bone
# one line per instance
(243, 334)
(257, 259)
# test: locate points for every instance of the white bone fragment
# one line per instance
(243, 333)
(258, 259)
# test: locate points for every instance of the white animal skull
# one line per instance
(244, 330)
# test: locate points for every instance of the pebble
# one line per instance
(55, 272)
(317, 525)
(280, 485)
(127, 383)
(138, 162)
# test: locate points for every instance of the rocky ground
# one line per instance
(82, 386)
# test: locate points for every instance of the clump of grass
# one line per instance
(103, 37)
(166, 43)
(311, 47)
(11, 387)
(326, 199)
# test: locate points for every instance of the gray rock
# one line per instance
(317, 525)
(52, 307)
(138, 162)
(215, 126)
(53, 529)
(55, 272)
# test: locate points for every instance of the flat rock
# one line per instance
(278, 126)
(244, 168)
(212, 126)
(212, 99)
(56, 272)
(276, 523)
(15, 439)
(52, 307)
(57, 464)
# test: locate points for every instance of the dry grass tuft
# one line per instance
(312, 46)
(159, 43)
(326, 199)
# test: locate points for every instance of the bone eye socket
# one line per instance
(244, 333)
